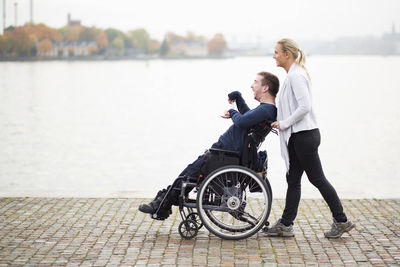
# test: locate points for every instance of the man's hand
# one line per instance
(226, 115)
(276, 125)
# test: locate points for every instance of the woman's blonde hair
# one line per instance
(288, 45)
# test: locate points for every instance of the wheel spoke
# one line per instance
(232, 214)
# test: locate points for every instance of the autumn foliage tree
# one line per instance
(70, 33)
(7, 44)
(154, 46)
(26, 40)
(119, 44)
(45, 46)
(77, 33)
(217, 45)
(21, 41)
(42, 32)
(140, 39)
(101, 40)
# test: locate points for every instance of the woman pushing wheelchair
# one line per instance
(265, 88)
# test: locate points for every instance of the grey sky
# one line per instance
(249, 20)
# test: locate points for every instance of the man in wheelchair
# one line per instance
(265, 88)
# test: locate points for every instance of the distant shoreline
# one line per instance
(102, 58)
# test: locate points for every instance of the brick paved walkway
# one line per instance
(98, 232)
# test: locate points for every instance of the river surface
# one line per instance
(128, 128)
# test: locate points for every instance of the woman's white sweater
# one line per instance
(295, 112)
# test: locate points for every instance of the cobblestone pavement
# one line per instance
(105, 231)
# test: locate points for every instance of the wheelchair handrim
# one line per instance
(266, 199)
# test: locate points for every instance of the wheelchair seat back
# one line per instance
(252, 142)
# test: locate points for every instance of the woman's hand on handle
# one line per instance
(276, 125)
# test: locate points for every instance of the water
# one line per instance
(128, 128)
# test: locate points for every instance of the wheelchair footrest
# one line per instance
(161, 215)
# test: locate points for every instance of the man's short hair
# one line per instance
(272, 81)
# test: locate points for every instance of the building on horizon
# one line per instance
(392, 41)
(188, 48)
(71, 22)
(69, 49)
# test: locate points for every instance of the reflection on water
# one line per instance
(128, 128)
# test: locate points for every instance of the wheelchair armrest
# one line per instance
(227, 152)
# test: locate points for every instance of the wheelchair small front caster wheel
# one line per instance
(188, 229)
(195, 217)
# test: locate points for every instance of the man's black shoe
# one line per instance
(153, 206)
(147, 208)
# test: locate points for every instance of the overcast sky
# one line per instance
(263, 20)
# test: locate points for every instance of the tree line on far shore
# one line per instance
(39, 40)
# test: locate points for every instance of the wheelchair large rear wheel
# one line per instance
(233, 202)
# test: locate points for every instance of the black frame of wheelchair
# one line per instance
(230, 191)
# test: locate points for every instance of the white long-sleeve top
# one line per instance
(295, 112)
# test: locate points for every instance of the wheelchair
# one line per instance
(232, 196)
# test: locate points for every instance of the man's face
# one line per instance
(258, 87)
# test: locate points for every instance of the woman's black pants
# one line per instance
(303, 157)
